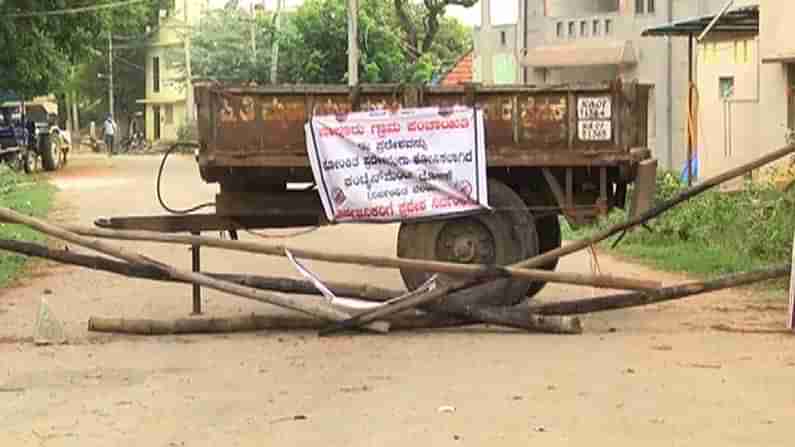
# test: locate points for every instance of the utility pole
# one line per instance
(353, 43)
(253, 35)
(189, 105)
(110, 73)
(276, 40)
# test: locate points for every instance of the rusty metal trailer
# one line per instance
(571, 150)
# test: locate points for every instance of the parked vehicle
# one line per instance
(135, 142)
(552, 150)
(29, 136)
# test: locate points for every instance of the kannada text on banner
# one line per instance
(386, 166)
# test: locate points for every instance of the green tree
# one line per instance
(222, 47)
(313, 44)
(425, 27)
(40, 51)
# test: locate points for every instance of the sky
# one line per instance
(470, 16)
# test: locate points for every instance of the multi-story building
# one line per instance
(744, 71)
(496, 49)
(169, 102)
(565, 41)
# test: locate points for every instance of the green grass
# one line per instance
(713, 234)
(29, 195)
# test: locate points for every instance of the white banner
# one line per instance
(384, 166)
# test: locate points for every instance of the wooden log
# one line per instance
(249, 323)
(537, 261)
(277, 284)
(625, 300)
(318, 308)
(510, 317)
(478, 271)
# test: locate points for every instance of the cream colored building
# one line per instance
(745, 73)
(569, 41)
(168, 100)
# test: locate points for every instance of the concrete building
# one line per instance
(744, 70)
(168, 101)
(566, 41)
(496, 50)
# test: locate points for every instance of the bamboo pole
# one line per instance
(249, 323)
(687, 194)
(683, 196)
(276, 284)
(625, 300)
(317, 308)
(479, 271)
(513, 317)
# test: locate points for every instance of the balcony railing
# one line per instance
(570, 28)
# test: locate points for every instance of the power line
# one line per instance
(79, 10)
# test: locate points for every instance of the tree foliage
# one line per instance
(230, 44)
(313, 43)
(40, 52)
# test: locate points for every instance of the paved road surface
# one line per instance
(652, 376)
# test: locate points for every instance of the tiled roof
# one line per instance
(462, 72)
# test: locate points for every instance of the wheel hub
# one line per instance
(466, 241)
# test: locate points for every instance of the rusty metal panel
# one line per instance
(259, 123)
(498, 112)
(544, 120)
(525, 126)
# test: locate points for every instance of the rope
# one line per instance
(596, 269)
(160, 196)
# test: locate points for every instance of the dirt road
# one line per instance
(652, 376)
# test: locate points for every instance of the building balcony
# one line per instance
(604, 26)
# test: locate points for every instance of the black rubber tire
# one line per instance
(29, 162)
(48, 150)
(549, 238)
(511, 228)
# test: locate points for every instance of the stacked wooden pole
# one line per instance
(459, 306)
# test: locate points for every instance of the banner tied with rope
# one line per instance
(389, 166)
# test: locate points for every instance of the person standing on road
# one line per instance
(110, 132)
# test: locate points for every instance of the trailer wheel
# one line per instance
(548, 229)
(503, 237)
(50, 152)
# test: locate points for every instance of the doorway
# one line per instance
(156, 121)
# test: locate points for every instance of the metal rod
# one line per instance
(110, 74)
(197, 267)
(715, 20)
(691, 131)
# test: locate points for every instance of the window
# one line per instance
(639, 6)
(504, 69)
(560, 29)
(169, 114)
(583, 28)
(608, 27)
(572, 29)
(156, 74)
(726, 87)
(596, 29)
(503, 38)
(651, 7)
